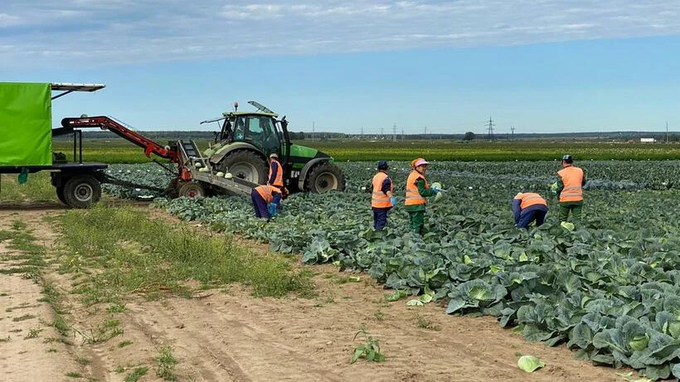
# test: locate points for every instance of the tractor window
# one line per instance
(263, 134)
(239, 129)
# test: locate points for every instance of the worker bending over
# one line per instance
(265, 200)
(529, 207)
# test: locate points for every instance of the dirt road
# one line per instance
(232, 336)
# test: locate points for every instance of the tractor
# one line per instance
(246, 140)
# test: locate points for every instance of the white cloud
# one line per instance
(92, 32)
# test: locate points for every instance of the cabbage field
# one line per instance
(609, 289)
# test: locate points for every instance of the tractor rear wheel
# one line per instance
(325, 177)
(82, 191)
(245, 165)
(192, 190)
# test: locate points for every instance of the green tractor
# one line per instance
(246, 140)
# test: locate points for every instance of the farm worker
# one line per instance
(265, 200)
(275, 171)
(417, 189)
(382, 199)
(570, 189)
(529, 207)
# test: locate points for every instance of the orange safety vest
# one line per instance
(278, 181)
(530, 199)
(572, 178)
(266, 192)
(380, 199)
(413, 197)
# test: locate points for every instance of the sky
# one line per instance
(372, 66)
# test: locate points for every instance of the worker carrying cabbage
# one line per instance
(265, 200)
(570, 189)
(417, 189)
(529, 207)
(382, 199)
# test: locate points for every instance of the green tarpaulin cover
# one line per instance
(25, 124)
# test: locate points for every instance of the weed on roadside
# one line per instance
(125, 343)
(165, 364)
(136, 374)
(370, 349)
(33, 333)
(74, 374)
(424, 323)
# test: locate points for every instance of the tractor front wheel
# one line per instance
(325, 177)
(191, 190)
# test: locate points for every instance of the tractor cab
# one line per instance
(246, 140)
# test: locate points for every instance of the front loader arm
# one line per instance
(106, 123)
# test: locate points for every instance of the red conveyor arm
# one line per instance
(106, 123)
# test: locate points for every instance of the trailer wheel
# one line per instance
(82, 191)
(60, 194)
(191, 190)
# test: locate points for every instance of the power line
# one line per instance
(394, 132)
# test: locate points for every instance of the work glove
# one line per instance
(272, 209)
(393, 200)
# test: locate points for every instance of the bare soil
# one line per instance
(228, 335)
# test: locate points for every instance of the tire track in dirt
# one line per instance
(28, 351)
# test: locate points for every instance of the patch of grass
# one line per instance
(348, 279)
(141, 255)
(424, 323)
(119, 369)
(379, 316)
(105, 331)
(51, 350)
(125, 343)
(33, 333)
(37, 189)
(62, 340)
(116, 308)
(137, 373)
(74, 374)
(83, 361)
(165, 364)
(18, 225)
(23, 318)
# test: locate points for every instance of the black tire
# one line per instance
(82, 191)
(245, 165)
(192, 190)
(325, 177)
(60, 194)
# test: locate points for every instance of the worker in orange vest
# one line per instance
(382, 199)
(529, 207)
(265, 200)
(570, 189)
(417, 189)
(275, 171)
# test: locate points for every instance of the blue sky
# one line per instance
(541, 65)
